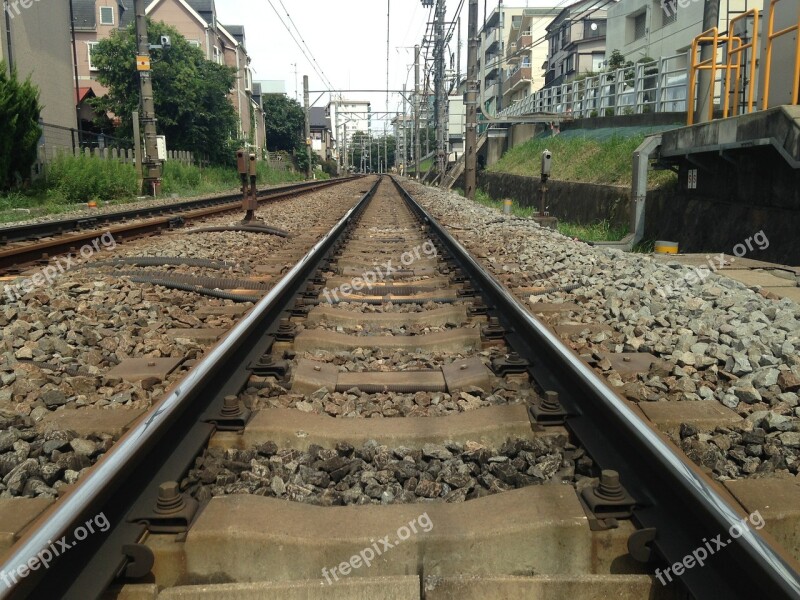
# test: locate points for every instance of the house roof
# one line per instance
(316, 115)
(84, 13)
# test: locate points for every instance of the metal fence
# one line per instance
(658, 86)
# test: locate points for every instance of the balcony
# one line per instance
(519, 79)
(490, 90)
(493, 38)
(525, 40)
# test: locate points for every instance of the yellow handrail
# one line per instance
(772, 35)
(735, 49)
(739, 52)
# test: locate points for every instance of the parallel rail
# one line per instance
(677, 505)
(69, 234)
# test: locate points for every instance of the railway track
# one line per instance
(22, 245)
(494, 462)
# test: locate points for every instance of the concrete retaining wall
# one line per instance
(582, 203)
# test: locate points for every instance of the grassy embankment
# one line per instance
(73, 181)
(605, 162)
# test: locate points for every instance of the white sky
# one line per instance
(348, 40)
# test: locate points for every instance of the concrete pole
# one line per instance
(405, 150)
(471, 137)
(705, 85)
(344, 148)
(441, 95)
(308, 126)
(417, 140)
(152, 166)
(137, 147)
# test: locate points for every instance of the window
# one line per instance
(639, 26)
(106, 15)
(217, 56)
(91, 47)
(669, 13)
(194, 43)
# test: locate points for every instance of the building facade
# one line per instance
(196, 20)
(346, 117)
(34, 41)
(576, 42)
(526, 52)
(650, 28)
(492, 57)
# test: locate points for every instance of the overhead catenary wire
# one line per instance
(310, 60)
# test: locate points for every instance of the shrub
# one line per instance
(19, 114)
(83, 178)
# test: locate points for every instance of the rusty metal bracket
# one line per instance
(493, 331)
(513, 364)
(176, 222)
(477, 308)
(286, 331)
(233, 416)
(606, 502)
(548, 410)
(173, 512)
(268, 365)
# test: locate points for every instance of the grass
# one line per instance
(597, 232)
(73, 181)
(590, 161)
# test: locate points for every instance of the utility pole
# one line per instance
(308, 125)
(458, 54)
(417, 145)
(405, 151)
(152, 166)
(471, 137)
(344, 147)
(705, 95)
(296, 93)
(440, 89)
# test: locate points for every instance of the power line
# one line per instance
(311, 62)
(321, 71)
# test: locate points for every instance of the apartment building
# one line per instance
(526, 52)
(650, 28)
(196, 20)
(576, 42)
(34, 41)
(346, 117)
(492, 56)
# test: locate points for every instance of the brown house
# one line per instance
(196, 20)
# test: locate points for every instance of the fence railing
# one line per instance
(658, 86)
(58, 141)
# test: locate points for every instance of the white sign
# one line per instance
(692, 179)
(161, 145)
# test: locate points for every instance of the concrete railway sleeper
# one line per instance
(493, 463)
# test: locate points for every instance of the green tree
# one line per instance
(285, 123)
(191, 93)
(19, 136)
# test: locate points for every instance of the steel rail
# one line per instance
(170, 435)
(30, 231)
(673, 496)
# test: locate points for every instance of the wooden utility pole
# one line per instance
(471, 138)
(308, 126)
(152, 166)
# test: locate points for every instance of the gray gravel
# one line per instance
(719, 340)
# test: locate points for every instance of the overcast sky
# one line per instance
(347, 38)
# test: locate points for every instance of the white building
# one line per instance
(349, 115)
(640, 28)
